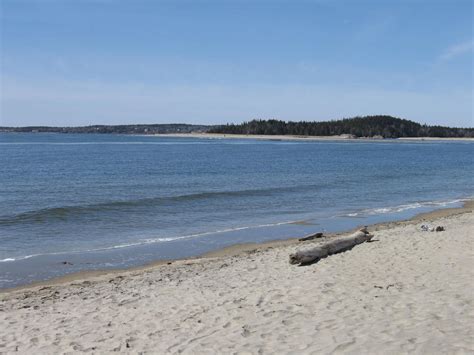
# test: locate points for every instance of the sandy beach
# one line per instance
(344, 137)
(408, 291)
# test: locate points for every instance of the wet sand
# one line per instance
(238, 249)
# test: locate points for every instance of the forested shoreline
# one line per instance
(380, 126)
(367, 126)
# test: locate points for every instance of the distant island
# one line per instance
(115, 129)
(357, 127)
(380, 126)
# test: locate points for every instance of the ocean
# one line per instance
(71, 203)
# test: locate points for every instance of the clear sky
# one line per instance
(112, 62)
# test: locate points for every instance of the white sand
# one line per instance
(288, 137)
(409, 291)
(265, 137)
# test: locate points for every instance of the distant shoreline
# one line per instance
(203, 135)
(359, 127)
(300, 138)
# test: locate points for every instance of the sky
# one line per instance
(82, 62)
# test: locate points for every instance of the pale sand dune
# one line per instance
(409, 291)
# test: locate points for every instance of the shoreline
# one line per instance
(261, 137)
(407, 291)
(232, 251)
(302, 138)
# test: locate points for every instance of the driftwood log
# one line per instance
(310, 256)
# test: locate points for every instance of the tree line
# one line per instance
(367, 126)
(114, 129)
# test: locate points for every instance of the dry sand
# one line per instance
(253, 136)
(407, 292)
(344, 137)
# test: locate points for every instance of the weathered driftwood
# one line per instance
(311, 237)
(305, 257)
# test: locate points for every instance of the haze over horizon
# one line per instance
(67, 63)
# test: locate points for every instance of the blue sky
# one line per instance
(112, 62)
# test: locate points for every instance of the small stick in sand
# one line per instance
(311, 237)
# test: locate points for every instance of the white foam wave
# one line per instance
(148, 241)
(405, 207)
(228, 230)
(18, 258)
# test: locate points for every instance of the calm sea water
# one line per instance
(107, 201)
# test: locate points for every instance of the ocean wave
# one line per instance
(405, 207)
(18, 258)
(147, 241)
(67, 212)
(141, 242)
